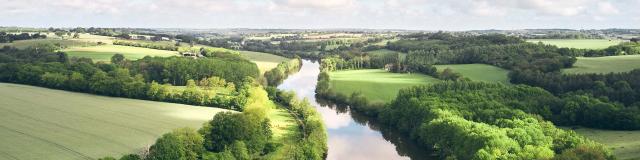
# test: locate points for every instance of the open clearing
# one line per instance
(624, 144)
(479, 72)
(604, 64)
(41, 123)
(264, 61)
(578, 43)
(104, 52)
(375, 84)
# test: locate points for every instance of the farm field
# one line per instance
(71, 125)
(604, 64)
(84, 41)
(104, 52)
(578, 43)
(624, 144)
(264, 61)
(479, 72)
(375, 84)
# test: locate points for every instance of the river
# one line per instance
(350, 135)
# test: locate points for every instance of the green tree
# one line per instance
(167, 147)
(117, 59)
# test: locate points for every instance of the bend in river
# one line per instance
(350, 135)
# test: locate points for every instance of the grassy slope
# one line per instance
(479, 72)
(104, 52)
(624, 144)
(578, 43)
(40, 123)
(264, 61)
(605, 64)
(376, 84)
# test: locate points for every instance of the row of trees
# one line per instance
(147, 45)
(8, 38)
(132, 79)
(312, 143)
(275, 76)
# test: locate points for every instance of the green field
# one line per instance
(604, 64)
(624, 144)
(265, 61)
(479, 72)
(104, 52)
(84, 41)
(375, 84)
(578, 43)
(40, 123)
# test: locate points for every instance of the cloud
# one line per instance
(315, 4)
(607, 8)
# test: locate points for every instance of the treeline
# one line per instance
(275, 76)
(312, 144)
(147, 45)
(606, 101)
(133, 79)
(625, 48)
(8, 38)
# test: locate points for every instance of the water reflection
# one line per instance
(351, 136)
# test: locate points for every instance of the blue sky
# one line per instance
(374, 14)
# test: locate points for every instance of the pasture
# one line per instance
(478, 72)
(375, 84)
(624, 144)
(604, 64)
(579, 43)
(265, 61)
(104, 52)
(41, 123)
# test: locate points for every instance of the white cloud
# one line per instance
(607, 8)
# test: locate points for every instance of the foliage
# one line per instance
(8, 38)
(282, 71)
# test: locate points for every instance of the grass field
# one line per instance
(84, 41)
(578, 43)
(40, 123)
(479, 72)
(604, 64)
(624, 144)
(375, 84)
(265, 61)
(104, 52)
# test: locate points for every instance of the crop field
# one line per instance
(265, 61)
(624, 144)
(85, 40)
(604, 64)
(578, 43)
(479, 72)
(104, 52)
(375, 84)
(41, 123)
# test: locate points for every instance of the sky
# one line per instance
(324, 14)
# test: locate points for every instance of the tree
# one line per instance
(192, 141)
(239, 150)
(76, 35)
(131, 157)
(117, 59)
(168, 147)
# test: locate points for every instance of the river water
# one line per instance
(351, 136)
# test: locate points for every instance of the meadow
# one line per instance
(105, 52)
(478, 72)
(624, 144)
(375, 84)
(264, 61)
(578, 43)
(71, 125)
(604, 64)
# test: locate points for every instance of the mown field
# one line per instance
(578, 43)
(479, 72)
(40, 123)
(105, 52)
(604, 64)
(264, 61)
(375, 84)
(624, 144)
